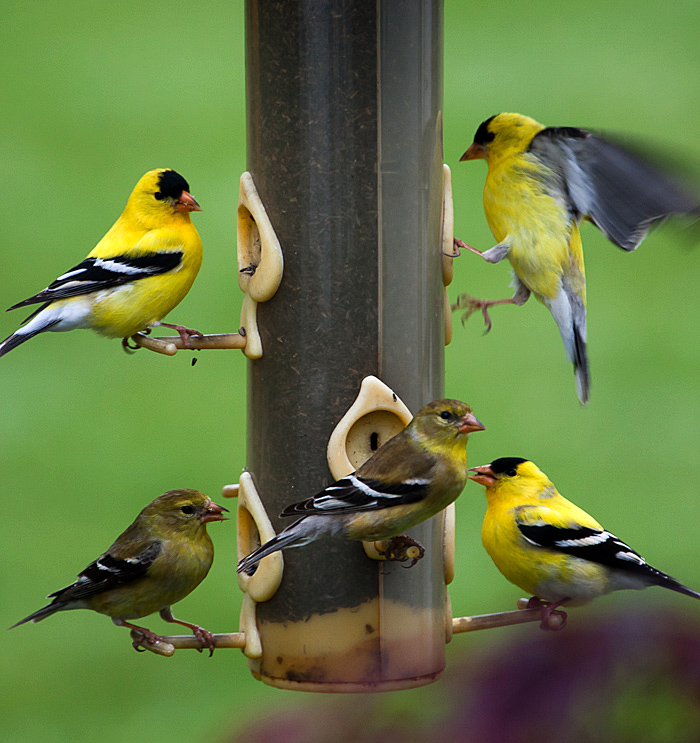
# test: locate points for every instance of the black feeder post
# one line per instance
(344, 128)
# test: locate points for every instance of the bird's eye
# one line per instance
(188, 510)
(511, 473)
(446, 415)
(158, 196)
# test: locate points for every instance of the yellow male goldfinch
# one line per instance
(549, 547)
(136, 274)
(412, 477)
(161, 558)
(541, 183)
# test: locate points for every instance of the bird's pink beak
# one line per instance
(485, 475)
(214, 513)
(187, 203)
(468, 424)
(474, 152)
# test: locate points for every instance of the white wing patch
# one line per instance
(74, 272)
(328, 502)
(102, 566)
(117, 267)
(631, 557)
(588, 541)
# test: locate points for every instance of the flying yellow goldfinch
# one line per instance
(541, 183)
(412, 477)
(552, 549)
(137, 273)
(161, 558)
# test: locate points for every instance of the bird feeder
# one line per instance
(345, 162)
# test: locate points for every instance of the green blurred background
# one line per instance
(95, 94)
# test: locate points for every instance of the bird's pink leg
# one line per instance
(205, 637)
(461, 244)
(522, 293)
(185, 333)
(549, 610)
(473, 304)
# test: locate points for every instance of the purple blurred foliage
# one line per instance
(627, 678)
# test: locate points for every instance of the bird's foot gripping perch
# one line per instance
(552, 617)
(473, 304)
(401, 548)
(140, 636)
(185, 333)
(460, 245)
(206, 639)
(143, 639)
(131, 349)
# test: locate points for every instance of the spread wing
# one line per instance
(354, 493)
(619, 191)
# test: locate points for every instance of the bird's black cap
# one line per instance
(505, 464)
(171, 184)
(483, 135)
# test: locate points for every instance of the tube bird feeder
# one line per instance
(344, 126)
(345, 247)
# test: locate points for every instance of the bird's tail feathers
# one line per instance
(25, 333)
(569, 313)
(288, 538)
(583, 379)
(674, 585)
(45, 611)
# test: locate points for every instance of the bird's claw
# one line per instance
(552, 618)
(401, 548)
(457, 252)
(206, 639)
(142, 637)
(186, 334)
(473, 305)
(129, 348)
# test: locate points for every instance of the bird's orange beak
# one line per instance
(187, 203)
(474, 152)
(468, 424)
(485, 475)
(214, 513)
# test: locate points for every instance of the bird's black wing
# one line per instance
(355, 493)
(618, 190)
(94, 274)
(595, 545)
(109, 572)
